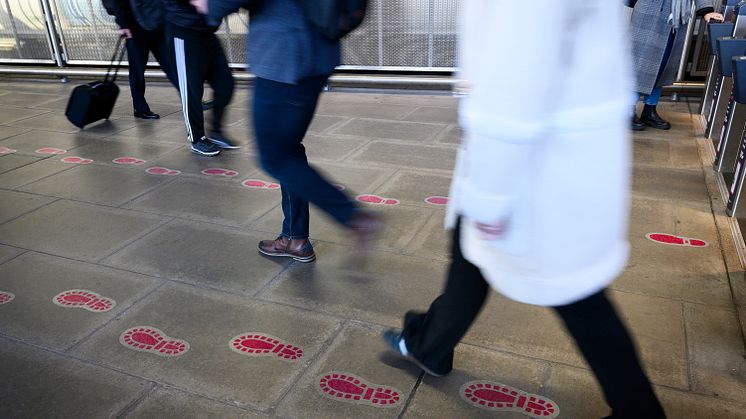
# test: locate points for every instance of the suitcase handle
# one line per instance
(118, 64)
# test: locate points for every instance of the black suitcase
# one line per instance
(94, 101)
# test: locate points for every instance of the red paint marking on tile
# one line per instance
(347, 387)
(85, 299)
(76, 160)
(6, 297)
(498, 397)
(129, 160)
(219, 171)
(377, 200)
(149, 339)
(6, 150)
(259, 344)
(259, 184)
(672, 240)
(157, 170)
(437, 200)
(51, 150)
(339, 186)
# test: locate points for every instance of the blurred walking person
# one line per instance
(540, 194)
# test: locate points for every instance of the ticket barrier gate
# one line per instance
(715, 31)
(727, 48)
(736, 187)
(726, 150)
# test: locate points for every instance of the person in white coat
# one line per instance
(540, 195)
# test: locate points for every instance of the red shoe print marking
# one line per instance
(129, 160)
(676, 240)
(257, 344)
(150, 339)
(156, 170)
(6, 297)
(87, 300)
(339, 186)
(217, 171)
(76, 160)
(437, 200)
(350, 388)
(6, 150)
(377, 200)
(259, 184)
(501, 398)
(51, 150)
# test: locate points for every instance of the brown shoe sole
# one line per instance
(302, 259)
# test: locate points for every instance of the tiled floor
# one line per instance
(177, 253)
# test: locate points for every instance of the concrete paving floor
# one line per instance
(172, 250)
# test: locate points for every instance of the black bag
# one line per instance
(335, 18)
(148, 13)
(94, 101)
(109, 6)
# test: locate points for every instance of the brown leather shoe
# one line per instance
(298, 249)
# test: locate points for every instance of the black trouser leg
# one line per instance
(157, 43)
(137, 55)
(608, 348)
(431, 337)
(189, 55)
(221, 81)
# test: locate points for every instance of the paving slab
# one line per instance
(77, 230)
(433, 240)
(6, 131)
(381, 291)
(9, 114)
(106, 151)
(9, 162)
(28, 100)
(391, 130)
(354, 351)
(440, 115)
(442, 396)
(225, 203)
(671, 154)
(202, 254)
(28, 142)
(407, 156)
(322, 147)
(208, 322)
(716, 351)
(37, 279)
(58, 122)
(165, 403)
(671, 184)
(39, 169)
(356, 179)
(414, 188)
(39, 384)
(155, 132)
(19, 203)
(323, 123)
(361, 110)
(97, 184)
(451, 135)
(8, 252)
(190, 163)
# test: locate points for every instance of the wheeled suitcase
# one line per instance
(94, 101)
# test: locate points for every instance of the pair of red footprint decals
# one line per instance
(134, 161)
(6, 297)
(259, 184)
(6, 150)
(219, 171)
(164, 171)
(84, 299)
(377, 200)
(76, 160)
(498, 397)
(672, 240)
(51, 151)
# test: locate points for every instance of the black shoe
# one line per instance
(205, 148)
(395, 342)
(636, 124)
(221, 141)
(207, 105)
(146, 115)
(651, 118)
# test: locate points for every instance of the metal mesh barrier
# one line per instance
(88, 33)
(23, 33)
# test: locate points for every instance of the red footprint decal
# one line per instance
(76, 160)
(218, 171)
(497, 397)
(348, 387)
(128, 160)
(437, 200)
(377, 200)
(258, 344)
(672, 240)
(156, 170)
(259, 184)
(51, 150)
(150, 339)
(6, 297)
(6, 150)
(87, 300)
(339, 186)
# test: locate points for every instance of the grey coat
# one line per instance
(649, 31)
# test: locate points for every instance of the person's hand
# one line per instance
(200, 5)
(708, 17)
(125, 33)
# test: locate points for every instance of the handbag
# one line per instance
(335, 18)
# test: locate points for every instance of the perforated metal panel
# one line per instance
(88, 33)
(23, 34)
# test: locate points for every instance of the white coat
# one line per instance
(546, 149)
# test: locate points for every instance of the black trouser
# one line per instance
(199, 57)
(138, 50)
(593, 322)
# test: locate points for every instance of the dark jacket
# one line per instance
(183, 14)
(123, 14)
(283, 45)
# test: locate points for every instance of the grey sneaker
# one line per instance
(205, 148)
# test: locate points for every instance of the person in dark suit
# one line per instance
(140, 43)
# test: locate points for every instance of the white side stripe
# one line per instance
(182, 75)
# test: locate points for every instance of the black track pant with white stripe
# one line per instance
(199, 57)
